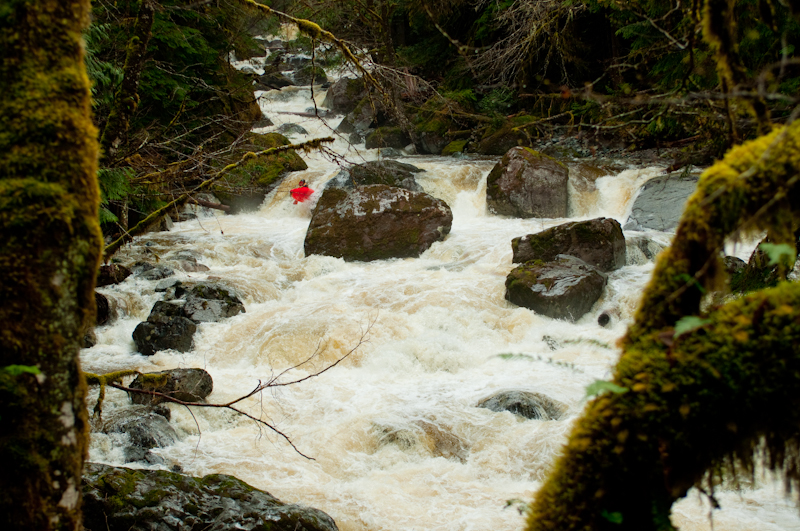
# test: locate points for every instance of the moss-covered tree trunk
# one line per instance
(724, 388)
(49, 253)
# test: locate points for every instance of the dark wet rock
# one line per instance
(112, 274)
(640, 249)
(528, 184)
(376, 222)
(89, 339)
(367, 113)
(187, 385)
(144, 428)
(291, 129)
(165, 328)
(355, 138)
(660, 202)
(310, 74)
(263, 122)
(273, 81)
(148, 271)
(564, 289)
(526, 404)
(167, 284)
(103, 308)
(207, 302)
(392, 137)
(500, 141)
(607, 316)
(598, 242)
(387, 172)
(432, 142)
(734, 264)
(157, 500)
(343, 95)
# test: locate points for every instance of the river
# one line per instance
(396, 438)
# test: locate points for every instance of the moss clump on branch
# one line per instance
(724, 391)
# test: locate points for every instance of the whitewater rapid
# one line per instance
(394, 432)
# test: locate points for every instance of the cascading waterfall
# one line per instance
(397, 440)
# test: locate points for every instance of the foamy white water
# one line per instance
(397, 441)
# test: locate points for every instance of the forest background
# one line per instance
(171, 111)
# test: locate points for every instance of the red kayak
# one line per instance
(301, 194)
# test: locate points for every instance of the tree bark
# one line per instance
(50, 245)
(127, 97)
(723, 392)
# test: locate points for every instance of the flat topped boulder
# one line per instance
(388, 172)
(563, 289)
(527, 404)
(146, 500)
(528, 184)
(598, 242)
(376, 222)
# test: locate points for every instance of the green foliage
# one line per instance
(689, 323)
(776, 252)
(105, 76)
(16, 370)
(114, 185)
(498, 101)
(600, 386)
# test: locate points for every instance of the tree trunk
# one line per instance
(724, 391)
(127, 97)
(50, 247)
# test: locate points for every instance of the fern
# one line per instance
(115, 184)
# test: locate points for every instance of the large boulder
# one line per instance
(564, 289)
(208, 303)
(156, 500)
(640, 249)
(526, 404)
(376, 222)
(273, 80)
(368, 112)
(166, 328)
(528, 184)
(310, 74)
(343, 96)
(660, 202)
(388, 172)
(187, 385)
(112, 274)
(391, 137)
(140, 429)
(598, 242)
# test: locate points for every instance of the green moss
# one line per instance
(456, 146)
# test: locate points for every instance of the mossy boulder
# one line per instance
(388, 172)
(598, 242)
(376, 222)
(310, 74)
(563, 289)
(527, 404)
(367, 113)
(344, 95)
(244, 188)
(391, 137)
(187, 385)
(143, 500)
(528, 184)
(497, 141)
(456, 146)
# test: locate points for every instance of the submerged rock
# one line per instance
(525, 404)
(528, 184)
(660, 202)
(640, 249)
(376, 222)
(156, 500)
(598, 242)
(145, 428)
(564, 289)
(187, 385)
